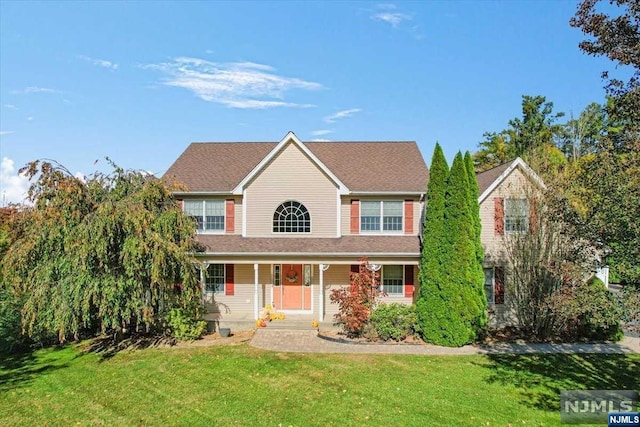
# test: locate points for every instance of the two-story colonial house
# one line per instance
(283, 223)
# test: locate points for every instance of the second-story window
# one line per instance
(208, 214)
(381, 216)
(516, 215)
(291, 217)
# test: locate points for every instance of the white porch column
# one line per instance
(322, 268)
(202, 281)
(321, 294)
(255, 291)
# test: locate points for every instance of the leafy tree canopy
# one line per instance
(107, 255)
(617, 37)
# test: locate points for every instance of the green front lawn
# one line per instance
(240, 385)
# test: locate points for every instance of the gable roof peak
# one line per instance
(490, 179)
(289, 137)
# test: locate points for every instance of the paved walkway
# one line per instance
(309, 342)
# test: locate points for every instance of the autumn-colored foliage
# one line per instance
(356, 302)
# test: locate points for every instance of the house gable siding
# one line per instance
(291, 175)
(514, 186)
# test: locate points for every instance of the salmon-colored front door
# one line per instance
(292, 292)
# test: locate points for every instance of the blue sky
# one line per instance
(139, 81)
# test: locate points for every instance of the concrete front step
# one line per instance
(285, 325)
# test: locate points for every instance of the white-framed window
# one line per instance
(208, 214)
(489, 285)
(277, 276)
(291, 217)
(516, 215)
(214, 278)
(393, 279)
(494, 285)
(381, 216)
(306, 275)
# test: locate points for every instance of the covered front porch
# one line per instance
(239, 290)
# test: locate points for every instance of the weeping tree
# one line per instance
(105, 255)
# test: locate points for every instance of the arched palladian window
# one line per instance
(291, 217)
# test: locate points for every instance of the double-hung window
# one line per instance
(488, 285)
(381, 216)
(516, 215)
(208, 214)
(214, 278)
(392, 279)
(494, 285)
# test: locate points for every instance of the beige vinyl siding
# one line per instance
(345, 211)
(238, 215)
(291, 175)
(417, 215)
(335, 277)
(513, 186)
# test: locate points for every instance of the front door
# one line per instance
(294, 293)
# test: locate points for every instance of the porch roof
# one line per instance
(360, 245)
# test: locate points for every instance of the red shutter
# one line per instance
(499, 215)
(533, 217)
(408, 281)
(229, 288)
(498, 285)
(355, 216)
(230, 216)
(408, 217)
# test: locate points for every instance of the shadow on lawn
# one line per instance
(18, 369)
(108, 346)
(541, 377)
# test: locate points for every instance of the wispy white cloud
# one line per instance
(233, 84)
(34, 89)
(14, 185)
(393, 18)
(320, 140)
(341, 115)
(6, 132)
(387, 12)
(321, 132)
(100, 62)
(10, 106)
(30, 118)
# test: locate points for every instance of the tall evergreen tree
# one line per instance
(431, 308)
(474, 194)
(465, 307)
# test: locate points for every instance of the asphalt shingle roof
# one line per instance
(361, 166)
(370, 244)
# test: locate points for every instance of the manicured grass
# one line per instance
(240, 385)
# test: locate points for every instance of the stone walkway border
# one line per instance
(309, 342)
